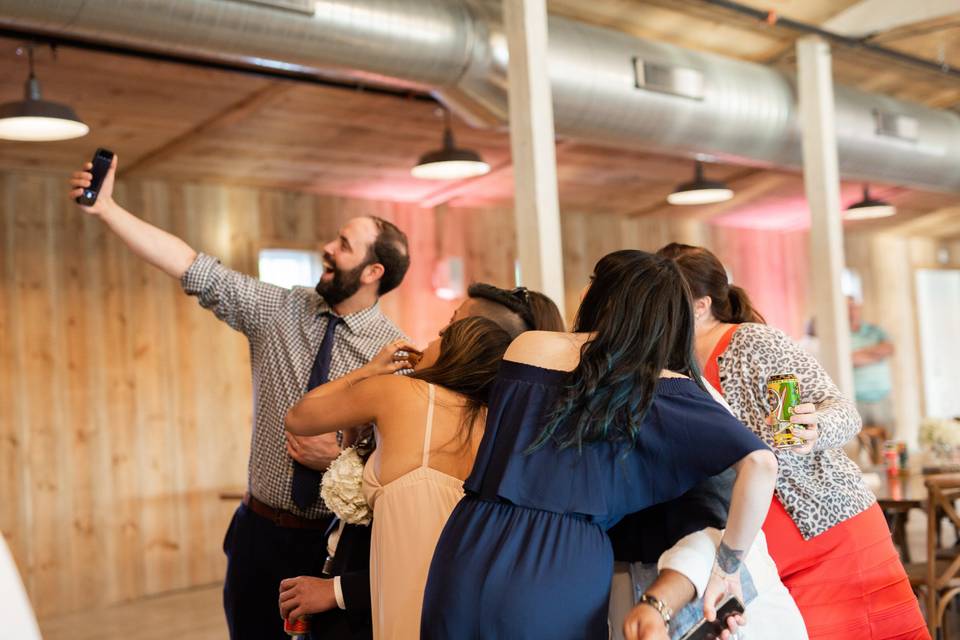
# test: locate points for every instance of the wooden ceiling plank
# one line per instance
(235, 113)
(939, 223)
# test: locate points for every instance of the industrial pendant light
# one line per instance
(36, 120)
(868, 208)
(449, 163)
(700, 190)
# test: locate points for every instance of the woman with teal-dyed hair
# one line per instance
(583, 428)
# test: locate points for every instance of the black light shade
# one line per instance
(868, 208)
(35, 120)
(449, 163)
(700, 190)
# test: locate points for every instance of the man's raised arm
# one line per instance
(163, 250)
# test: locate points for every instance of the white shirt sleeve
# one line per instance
(693, 556)
(338, 592)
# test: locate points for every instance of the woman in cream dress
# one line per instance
(428, 428)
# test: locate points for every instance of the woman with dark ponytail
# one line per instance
(825, 531)
(582, 429)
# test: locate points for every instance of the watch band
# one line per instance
(665, 612)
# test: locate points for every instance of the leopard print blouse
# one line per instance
(825, 487)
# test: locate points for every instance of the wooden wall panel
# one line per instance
(125, 408)
(13, 444)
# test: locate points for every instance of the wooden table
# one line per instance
(897, 495)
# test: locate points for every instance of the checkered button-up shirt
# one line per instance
(284, 328)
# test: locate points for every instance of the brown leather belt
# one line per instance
(283, 518)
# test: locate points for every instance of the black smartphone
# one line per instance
(712, 630)
(102, 160)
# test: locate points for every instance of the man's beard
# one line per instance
(343, 285)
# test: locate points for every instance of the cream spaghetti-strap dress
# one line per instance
(408, 515)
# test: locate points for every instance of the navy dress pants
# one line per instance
(259, 555)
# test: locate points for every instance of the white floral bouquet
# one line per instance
(342, 488)
(940, 434)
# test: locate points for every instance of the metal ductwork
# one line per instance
(608, 87)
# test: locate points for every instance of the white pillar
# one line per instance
(821, 179)
(537, 210)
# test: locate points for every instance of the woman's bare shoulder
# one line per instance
(391, 387)
(547, 349)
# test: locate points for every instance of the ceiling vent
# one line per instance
(895, 125)
(662, 78)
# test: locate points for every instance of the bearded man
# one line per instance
(299, 338)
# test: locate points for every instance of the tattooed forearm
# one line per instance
(728, 559)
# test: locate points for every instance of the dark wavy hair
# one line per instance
(389, 249)
(706, 276)
(470, 353)
(546, 314)
(639, 310)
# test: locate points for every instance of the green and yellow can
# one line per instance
(783, 394)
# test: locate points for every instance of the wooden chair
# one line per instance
(938, 577)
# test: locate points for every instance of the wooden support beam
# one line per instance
(235, 113)
(894, 284)
(869, 17)
(532, 140)
(821, 178)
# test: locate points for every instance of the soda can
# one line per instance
(891, 454)
(783, 394)
(297, 628)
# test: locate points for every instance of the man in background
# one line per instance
(872, 382)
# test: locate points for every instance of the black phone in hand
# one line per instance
(712, 630)
(101, 162)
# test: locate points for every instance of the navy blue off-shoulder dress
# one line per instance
(525, 553)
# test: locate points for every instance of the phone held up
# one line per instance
(102, 160)
(712, 630)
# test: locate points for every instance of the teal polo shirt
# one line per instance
(871, 382)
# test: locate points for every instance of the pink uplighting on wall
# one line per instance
(764, 246)
(783, 211)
